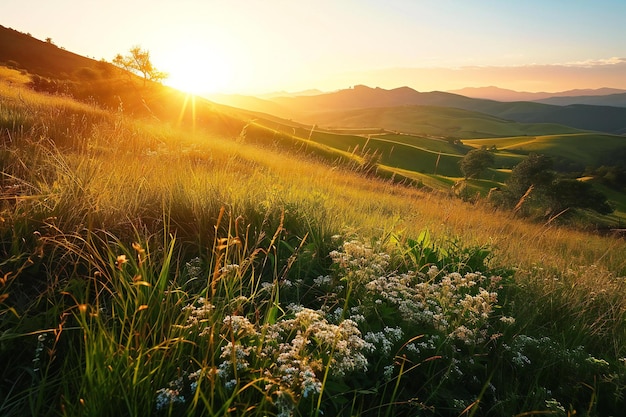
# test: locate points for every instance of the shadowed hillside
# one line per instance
(615, 100)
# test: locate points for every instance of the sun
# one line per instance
(196, 71)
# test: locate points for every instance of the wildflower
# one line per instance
(167, 397)
(141, 252)
(240, 325)
(121, 260)
(194, 268)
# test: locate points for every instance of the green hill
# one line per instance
(430, 120)
(582, 149)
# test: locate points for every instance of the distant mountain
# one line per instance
(248, 103)
(310, 92)
(585, 117)
(615, 100)
(502, 94)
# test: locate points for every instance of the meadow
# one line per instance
(152, 267)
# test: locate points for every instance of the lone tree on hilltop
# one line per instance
(138, 62)
(476, 162)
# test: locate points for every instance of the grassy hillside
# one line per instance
(210, 264)
(427, 120)
(140, 257)
(45, 59)
(582, 149)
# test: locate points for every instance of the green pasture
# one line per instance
(587, 149)
(432, 120)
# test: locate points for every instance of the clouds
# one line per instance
(591, 63)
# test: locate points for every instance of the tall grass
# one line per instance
(152, 269)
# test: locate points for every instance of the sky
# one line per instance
(261, 46)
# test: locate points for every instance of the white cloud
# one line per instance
(590, 63)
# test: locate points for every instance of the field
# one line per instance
(163, 267)
(581, 148)
(430, 120)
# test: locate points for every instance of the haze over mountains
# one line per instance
(578, 96)
(608, 119)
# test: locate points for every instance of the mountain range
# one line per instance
(577, 96)
(607, 119)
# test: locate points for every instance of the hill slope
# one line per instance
(503, 94)
(615, 100)
(604, 119)
(41, 58)
(430, 120)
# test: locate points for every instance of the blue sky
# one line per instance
(264, 45)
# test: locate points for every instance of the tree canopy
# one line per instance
(138, 62)
(475, 162)
(534, 182)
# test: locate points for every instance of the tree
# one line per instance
(534, 183)
(568, 193)
(536, 171)
(138, 62)
(475, 162)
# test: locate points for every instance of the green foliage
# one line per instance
(475, 162)
(568, 193)
(534, 186)
(533, 171)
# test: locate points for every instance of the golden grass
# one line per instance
(129, 170)
(13, 76)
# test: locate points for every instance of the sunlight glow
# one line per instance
(194, 70)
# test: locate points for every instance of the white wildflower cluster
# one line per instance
(456, 304)
(194, 268)
(525, 350)
(310, 335)
(199, 315)
(176, 390)
(323, 280)
(240, 326)
(229, 269)
(359, 262)
(291, 354)
(235, 360)
(384, 340)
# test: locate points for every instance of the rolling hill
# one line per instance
(430, 120)
(615, 100)
(503, 94)
(582, 149)
(21, 50)
(586, 117)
